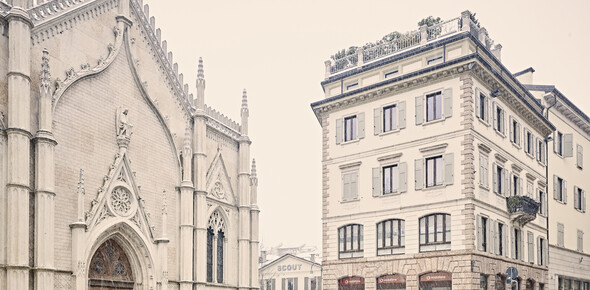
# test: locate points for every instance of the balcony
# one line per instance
(522, 209)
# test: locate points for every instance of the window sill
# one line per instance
(442, 119)
(487, 124)
(500, 133)
(517, 146)
(350, 141)
(428, 188)
(530, 155)
(385, 133)
(541, 163)
(395, 193)
(486, 188)
(560, 201)
(350, 200)
(581, 168)
(579, 210)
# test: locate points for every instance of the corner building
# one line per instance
(433, 170)
(112, 174)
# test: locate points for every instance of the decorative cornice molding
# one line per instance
(390, 157)
(434, 147)
(350, 165)
(66, 17)
(516, 168)
(4, 8)
(72, 76)
(484, 148)
(500, 158)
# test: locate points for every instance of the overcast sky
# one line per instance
(276, 50)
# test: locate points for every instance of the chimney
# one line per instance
(497, 52)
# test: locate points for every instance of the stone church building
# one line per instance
(112, 175)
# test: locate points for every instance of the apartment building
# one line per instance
(433, 165)
(569, 223)
(290, 272)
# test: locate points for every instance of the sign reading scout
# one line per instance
(291, 267)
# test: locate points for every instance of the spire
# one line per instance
(245, 113)
(187, 140)
(45, 78)
(253, 171)
(164, 204)
(187, 156)
(81, 192)
(200, 100)
(253, 185)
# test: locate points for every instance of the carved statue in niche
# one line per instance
(124, 128)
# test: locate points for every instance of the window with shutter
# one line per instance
(568, 145)
(580, 241)
(580, 156)
(390, 118)
(349, 185)
(419, 110)
(434, 171)
(434, 108)
(419, 174)
(448, 103)
(350, 128)
(560, 234)
(377, 124)
(531, 247)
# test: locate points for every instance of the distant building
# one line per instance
(290, 272)
(433, 166)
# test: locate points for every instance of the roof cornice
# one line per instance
(563, 105)
(285, 256)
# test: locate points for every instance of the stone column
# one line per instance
(44, 180)
(186, 215)
(254, 213)
(18, 140)
(162, 243)
(78, 239)
(199, 181)
(244, 199)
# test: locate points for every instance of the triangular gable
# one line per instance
(119, 197)
(218, 181)
(287, 257)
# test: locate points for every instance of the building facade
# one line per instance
(433, 166)
(113, 176)
(290, 272)
(569, 266)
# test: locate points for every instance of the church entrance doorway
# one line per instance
(110, 268)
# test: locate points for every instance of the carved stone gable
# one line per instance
(119, 198)
(218, 181)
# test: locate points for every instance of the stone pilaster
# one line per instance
(18, 140)
(199, 181)
(44, 180)
(78, 239)
(254, 233)
(244, 199)
(162, 266)
(186, 217)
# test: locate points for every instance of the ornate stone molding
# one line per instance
(55, 17)
(72, 76)
(4, 8)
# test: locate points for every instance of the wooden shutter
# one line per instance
(448, 169)
(354, 185)
(481, 170)
(505, 243)
(402, 170)
(419, 173)
(526, 141)
(517, 141)
(478, 104)
(284, 284)
(512, 244)
(496, 239)
(555, 192)
(521, 250)
(490, 236)
(345, 186)
(339, 130)
(506, 184)
(377, 181)
(495, 116)
(419, 110)
(295, 280)
(487, 172)
(531, 247)
(495, 178)
(306, 284)
(274, 284)
(401, 115)
(560, 231)
(555, 134)
(564, 190)
(479, 233)
(377, 120)
(361, 125)
(545, 204)
(511, 129)
(580, 156)
(520, 186)
(448, 102)
(568, 146)
(583, 200)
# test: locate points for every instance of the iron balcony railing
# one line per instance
(522, 204)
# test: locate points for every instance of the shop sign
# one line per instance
(293, 267)
(390, 279)
(432, 277)
(352, 281)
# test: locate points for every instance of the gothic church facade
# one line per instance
(112, 175)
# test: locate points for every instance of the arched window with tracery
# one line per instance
(215, 247)
(110, 268)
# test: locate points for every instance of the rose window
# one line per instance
(121, 200)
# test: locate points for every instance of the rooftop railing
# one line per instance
(409, 40)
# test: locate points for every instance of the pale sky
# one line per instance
(276, 50)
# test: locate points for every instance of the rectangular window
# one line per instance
(541, 260)
(349, 185)
(541, 202)
(499, 120)
(540, 151)
(390, 174)
(499, 180)
(434, 60)
(350, 241)
(579, 198)
(529, 143)
(501, 234)
(389, 118)
(435, 232)
(559, 188)
(514, 131)
(433, 106)
(352, 86)
(350, 128)
(390, 237)
(559, 144)
(483, 282)
(483, 110)
(391, 73)
(484, 233)
(515, 185)
(434, 171)
(517, 244)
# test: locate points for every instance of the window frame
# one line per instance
(559, 147)
(350, 172)
(354, 129)
(434, 95)
(346, 229)
(392, 178)
(440, 163)
(446, 238)
(560, 189)
(393, 120)
(501, 232)
(390, 73)
(483, 113)
(393, 249)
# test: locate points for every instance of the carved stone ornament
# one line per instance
(121, 200)
(124, 128)
(218, 190)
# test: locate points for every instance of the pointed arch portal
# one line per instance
(110, 268)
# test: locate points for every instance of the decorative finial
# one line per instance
(45, 77)
(253, 174)
(81, 189)
(187, 138)
(164, 205)
(200, 71)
